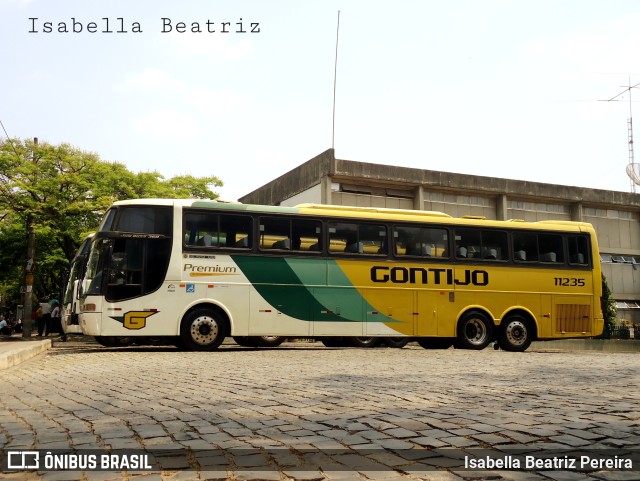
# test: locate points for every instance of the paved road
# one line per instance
(306, 412)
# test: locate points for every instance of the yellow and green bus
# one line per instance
(198, 271)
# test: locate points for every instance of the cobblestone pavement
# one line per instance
(306, 412)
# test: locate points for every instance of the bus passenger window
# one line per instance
(578, 250)
(525, 247)
(208, 229)
(290, 234)
(494, 245)
(235, 231)
(373, 239)
(275, 233)
(306, 235)
(351, 238)
(341, 236)
(468, 244)
(489, 245)
(550, 248)
(419, 241)
(200, 229)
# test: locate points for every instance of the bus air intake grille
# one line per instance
(573, 318)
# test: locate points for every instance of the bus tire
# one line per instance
(269, 341)
(203, 330)
(434, 342)
(178, 342)
(364, 341)
(516, 333)
(396, 342)
(244, 341)
(475, 331)
(333, 341)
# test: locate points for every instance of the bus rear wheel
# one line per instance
(202, 330)
(397, 342)
(333, 341)
(515, 334)
(259, 341)
(474, 331)
(364, 341)
(269, 341)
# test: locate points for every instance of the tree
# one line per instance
(59, 194)
(609, 309)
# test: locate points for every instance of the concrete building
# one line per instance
(615, 215)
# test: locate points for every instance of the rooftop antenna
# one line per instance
(633, 169)
(335, 76)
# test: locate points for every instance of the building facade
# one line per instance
(615, 215)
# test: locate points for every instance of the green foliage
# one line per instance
(609, 309)
(63, 192)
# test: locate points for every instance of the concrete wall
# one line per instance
(615, 215)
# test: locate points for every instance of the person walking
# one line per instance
(46, 319)
(56, 319)
(39, 320)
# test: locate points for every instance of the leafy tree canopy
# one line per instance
(62, 192)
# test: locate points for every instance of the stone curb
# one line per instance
(13, 353)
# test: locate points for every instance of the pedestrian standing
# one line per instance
(56, 319)
(46, 319)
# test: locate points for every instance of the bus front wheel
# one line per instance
(515, 334)
(202, 330)
(474, 331)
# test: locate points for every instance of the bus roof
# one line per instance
(370, 213)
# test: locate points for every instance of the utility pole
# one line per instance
(27, 322)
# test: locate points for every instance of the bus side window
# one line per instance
(352, 238)
(341, 236)
(550, 248)
(200, 229)
(306, 235)
(275, 233)
(468, 244)
(419, 241)
(235, 231)
(578, 250)
(494, 245)
(525, 247)
(372, 239)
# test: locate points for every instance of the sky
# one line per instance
(510, 89)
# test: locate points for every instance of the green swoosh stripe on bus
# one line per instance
(297, 281)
